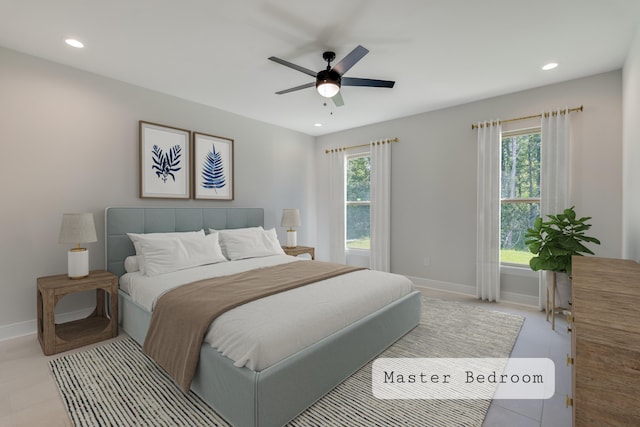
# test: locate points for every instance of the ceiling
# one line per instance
(439, 52)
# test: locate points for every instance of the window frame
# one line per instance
(352, 156)
(507, 134)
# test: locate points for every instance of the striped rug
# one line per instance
(116, 385)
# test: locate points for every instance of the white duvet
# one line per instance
(263, 332)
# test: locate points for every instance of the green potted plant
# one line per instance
(555, 241)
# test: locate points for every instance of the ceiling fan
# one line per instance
(329, 80)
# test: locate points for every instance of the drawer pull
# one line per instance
(569, 318)
(569, 401)
(569, 360)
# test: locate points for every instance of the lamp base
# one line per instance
(78, 263)
(292, 238)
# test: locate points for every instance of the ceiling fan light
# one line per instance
(328, 89)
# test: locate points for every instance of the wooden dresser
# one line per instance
(605, 343)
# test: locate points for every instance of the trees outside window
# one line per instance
(358, 202)
(520, 193)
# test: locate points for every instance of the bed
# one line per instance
(274, 395)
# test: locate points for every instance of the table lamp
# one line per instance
(77, 228)
(291, 218)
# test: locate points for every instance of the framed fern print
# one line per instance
(212, 167)
(164, 162)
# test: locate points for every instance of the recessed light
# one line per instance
(318, 125)
(74, 43)
(550, 66)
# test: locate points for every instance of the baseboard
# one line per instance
(443, 286)
(522, 299)
(30, 327)
(512, 297)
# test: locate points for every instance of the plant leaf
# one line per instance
(535, 263)
(213, 170)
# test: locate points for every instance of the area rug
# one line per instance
(117, 385)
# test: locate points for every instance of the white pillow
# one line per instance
(272, 241)
(162, 255)
(203, 251)
(178, 234)
(159, 253)
(131, 264)
(241, 243)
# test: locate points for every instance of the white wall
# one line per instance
(631, 151)
(434, 177)
(70, 144)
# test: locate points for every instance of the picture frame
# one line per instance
(213, 168)
(165, 161)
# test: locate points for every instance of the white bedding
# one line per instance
(262, 332)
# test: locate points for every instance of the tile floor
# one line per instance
(29, 397)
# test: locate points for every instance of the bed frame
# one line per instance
(275, 395)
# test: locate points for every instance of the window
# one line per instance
(358, 202)
(520, 193)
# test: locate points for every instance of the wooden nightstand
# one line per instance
(298, 250)
(100, 325)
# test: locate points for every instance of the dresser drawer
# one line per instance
(606, 385)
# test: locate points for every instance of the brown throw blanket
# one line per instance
(182, 315)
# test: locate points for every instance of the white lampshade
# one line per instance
(77, 229)
(291, 218)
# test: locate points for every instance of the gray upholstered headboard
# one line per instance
(120, 221)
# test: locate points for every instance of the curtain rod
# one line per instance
(571, 110)
(382, 141)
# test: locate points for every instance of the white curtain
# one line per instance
(336, 207)
(380, 258)
(554, 172)
(488, 212)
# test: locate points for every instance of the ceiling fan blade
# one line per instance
(294, 66)
(350, 60)
(304, 86)
(355, 81)
(337, 99)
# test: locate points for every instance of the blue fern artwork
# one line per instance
(166, 164)
(213, 170)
